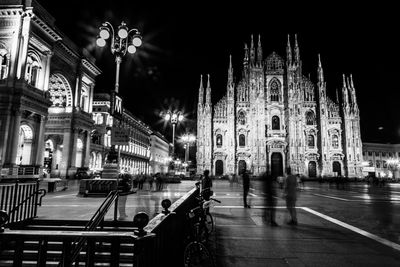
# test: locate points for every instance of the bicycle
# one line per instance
(202, 224)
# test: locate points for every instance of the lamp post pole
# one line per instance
(174, 117)
(121, 41)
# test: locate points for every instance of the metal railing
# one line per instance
(159, 243)
(93, 223)
(20, 200)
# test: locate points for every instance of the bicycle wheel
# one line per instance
(209, 223)
(196, 254)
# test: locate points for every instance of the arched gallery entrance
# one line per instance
(25, 141)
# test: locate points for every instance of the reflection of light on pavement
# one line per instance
(167, 194)
(177, 195)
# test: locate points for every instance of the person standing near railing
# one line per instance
(124, 188)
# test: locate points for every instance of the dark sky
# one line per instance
(183, 41)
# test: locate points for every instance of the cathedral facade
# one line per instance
(274, 117)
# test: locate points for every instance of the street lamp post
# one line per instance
(121, 41)
(187, 139)
(126, 40)
(174, 117)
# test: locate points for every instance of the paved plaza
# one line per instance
(353, 226)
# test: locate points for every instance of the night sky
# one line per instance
(180, 42)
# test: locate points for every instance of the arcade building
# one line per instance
(46, 91)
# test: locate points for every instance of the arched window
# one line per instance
(60, 91)
(242, 140)
(219, 140)
(275, 123)
(4, 63)
(242, 117)
(335, 141)
(311, 141)
(32, 70)
(310, 118)
(84, 103)
(274, 90)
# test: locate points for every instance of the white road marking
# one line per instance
(355, 229)
(253, 195)
(62, 196)
(252, 207)
(337, 198)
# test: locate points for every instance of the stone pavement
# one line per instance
(67, 205)
(244, 238)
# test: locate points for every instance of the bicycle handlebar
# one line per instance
(216, 200)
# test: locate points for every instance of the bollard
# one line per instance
(3, 219)
(140, 221)
(166, 203)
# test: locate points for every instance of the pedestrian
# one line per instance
(246, 187)
(141, 181)
(270, 198)
(124, 189)
(291, 196)
(150, 179)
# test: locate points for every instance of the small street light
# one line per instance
(174, 117)
(187, 139)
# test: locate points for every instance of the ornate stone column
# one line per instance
(86, 158)
(40, 141)
(12, 145)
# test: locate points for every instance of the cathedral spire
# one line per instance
(320, 70)
(288, 51)
(351, 81)
(259, 51)
(208, 91)
(246, 55)
(345, 95)
(230, 71)
(296, 50)
(201, 92)
(337, 95)
(252, 51)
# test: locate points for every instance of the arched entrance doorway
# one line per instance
(337, 168)
(24, 145)
(48, 156)
(219, 167)
(276, 164)
(79, 152)
(312, 169)
(242, 166)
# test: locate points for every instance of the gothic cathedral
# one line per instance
(274, 117)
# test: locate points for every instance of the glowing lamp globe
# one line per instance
(122, 32)
(180, 117)
(131, 49)
(100, 42)
(137, 41)
(167, 117)
(104, 33)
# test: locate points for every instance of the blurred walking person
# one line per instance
(291, 196)
(246, 187)
(270, 198)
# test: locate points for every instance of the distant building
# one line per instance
(273, 117)
(135, 156)
(159, 153)
(46, 89)
(382, 160)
